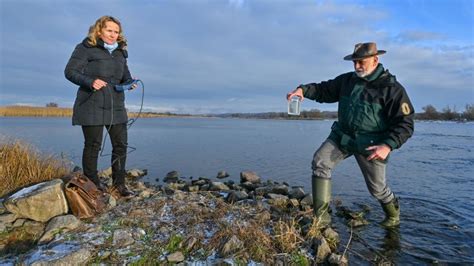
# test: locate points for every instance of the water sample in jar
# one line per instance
(294, 105)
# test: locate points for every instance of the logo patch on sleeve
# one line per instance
(405, 109)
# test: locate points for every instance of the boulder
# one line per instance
(249, 176)
(39, 202)
(58, 224)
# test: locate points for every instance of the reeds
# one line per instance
(22, 165)
(35, 111)
(32, 111)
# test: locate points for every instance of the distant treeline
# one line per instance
(430, 113)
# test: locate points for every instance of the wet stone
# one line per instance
(171, 177)
(296, 193)
(330, 234)
(249, 176)
(222, 174)
(321, 249)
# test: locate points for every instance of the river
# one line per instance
(432, 173)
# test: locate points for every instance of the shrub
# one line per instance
(22, 165)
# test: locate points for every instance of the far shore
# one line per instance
(55, 111)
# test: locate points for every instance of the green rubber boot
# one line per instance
(392, 213)
(321, 197)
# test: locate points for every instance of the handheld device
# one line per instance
(125, 86)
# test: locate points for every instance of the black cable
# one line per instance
(130, 122)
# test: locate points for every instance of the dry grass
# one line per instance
(22, 165)
(287, 236)
(35, 111)
(32, 111)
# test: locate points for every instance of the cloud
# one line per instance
(410, 36)
(225, 56)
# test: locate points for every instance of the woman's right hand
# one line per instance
(98, 84)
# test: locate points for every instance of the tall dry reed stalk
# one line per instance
(22, 165)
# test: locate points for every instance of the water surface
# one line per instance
(432, 173)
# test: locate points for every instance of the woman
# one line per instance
(97, 64)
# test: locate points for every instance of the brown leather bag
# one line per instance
(84, 199)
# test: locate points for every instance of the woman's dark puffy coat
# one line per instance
(88, 63)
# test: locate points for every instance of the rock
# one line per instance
(112, 201)
(222, 174)
(230, 247)
(20, 239)
(321, 249)
(277, 196)
(107, 173)
(175, 257)
(59, 224)
(2, 207)
(61, 254)
(279, 189)
(307, 200)
(335, 259)
(189, 243)
(136, 173)
(171, 177)
(122, 238)
(296, 193)
(249, 176)
(19, 223)
(139, 186)
(7, 218)
(193, 188)
(39, 202)
(293, 203)
(249, 186)
(331, 235)
(176, 186)
(144, 194)
(357, 222)
(235, 196)
(76, 169)
(262, 191)
(218, 186)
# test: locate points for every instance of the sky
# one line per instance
(240, 56)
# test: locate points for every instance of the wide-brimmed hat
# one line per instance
(364, 50)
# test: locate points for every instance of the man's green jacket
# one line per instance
(373, 110)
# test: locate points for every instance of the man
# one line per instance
(375, 116)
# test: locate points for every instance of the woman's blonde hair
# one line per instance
(99, 25)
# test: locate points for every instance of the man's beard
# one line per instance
(362, 74)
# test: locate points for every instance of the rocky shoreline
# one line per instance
(183, 221)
